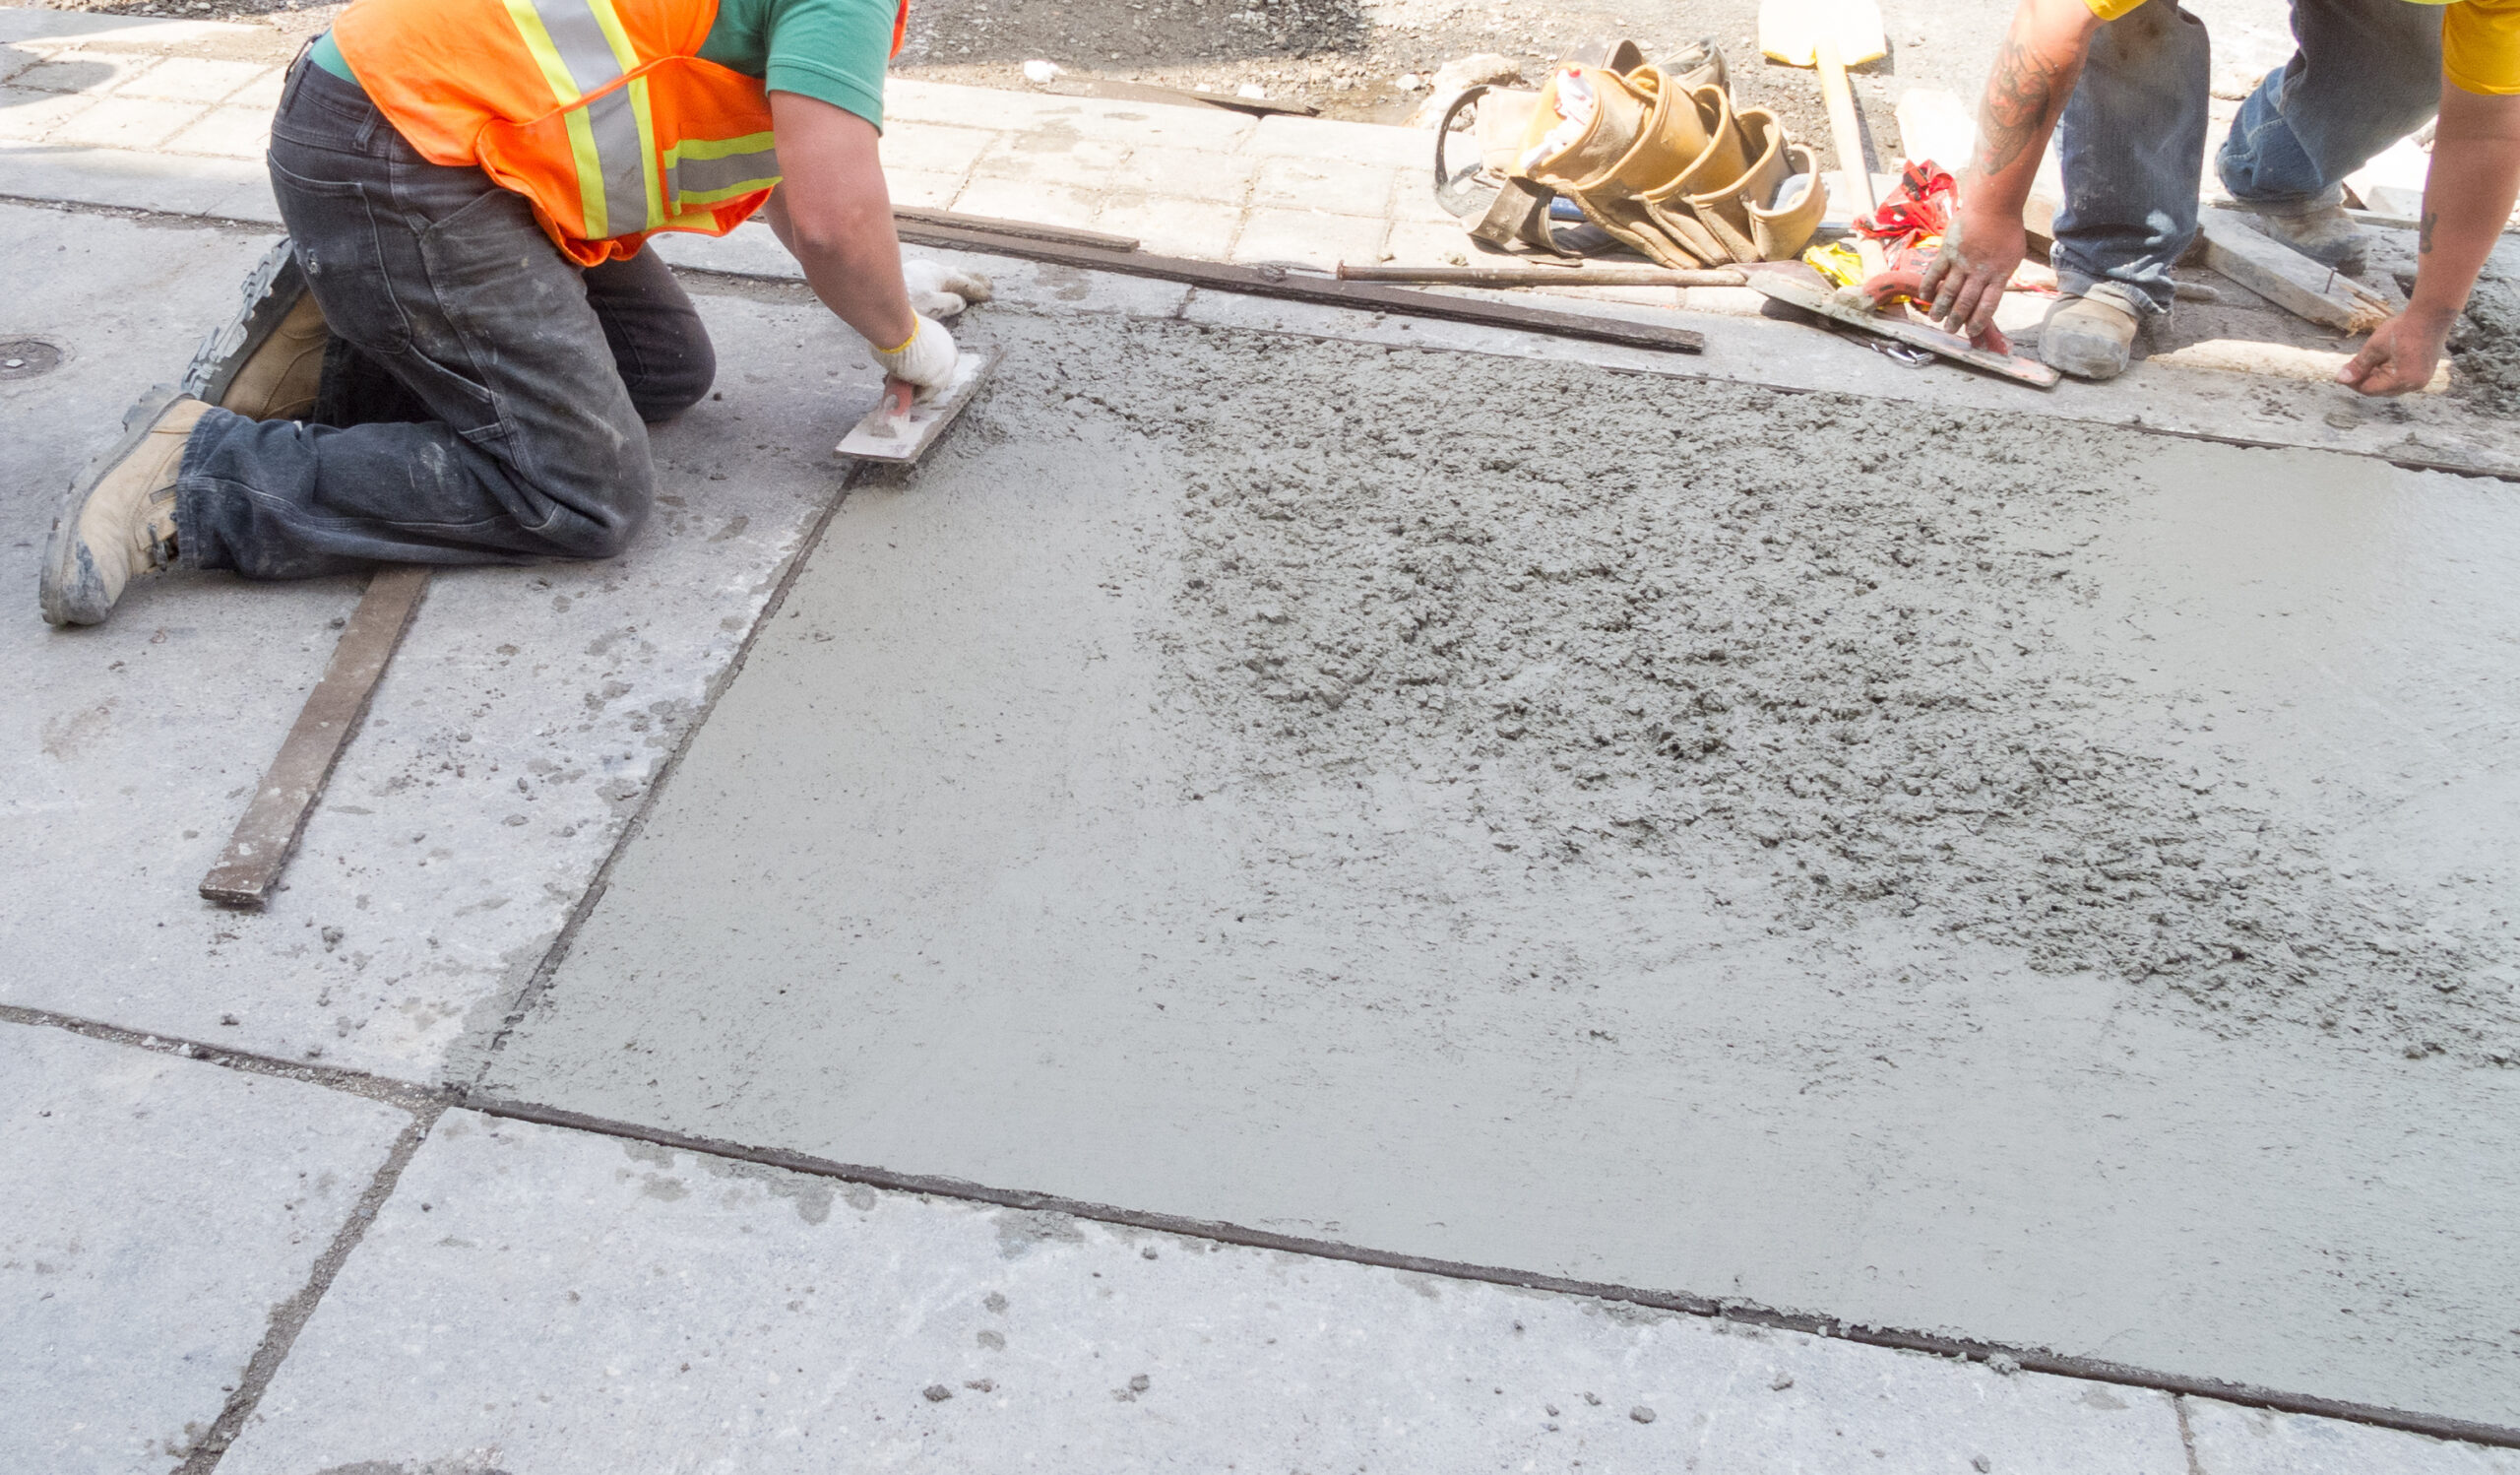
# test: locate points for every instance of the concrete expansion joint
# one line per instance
(2002, 1359)
(404, 1094)
(290, 1316)
(130, 213)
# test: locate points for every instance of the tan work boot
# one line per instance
(2324, 233)
(268, 362)
(119, 520)
(2089, 337)
(277, 380)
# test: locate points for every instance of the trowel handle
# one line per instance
(898, 394)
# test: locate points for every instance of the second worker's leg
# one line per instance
(2131, 144)
(2367, 73)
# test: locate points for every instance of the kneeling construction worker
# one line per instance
(2128, 80)
(455, 357)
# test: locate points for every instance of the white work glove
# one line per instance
(927, 360)
(940, 291)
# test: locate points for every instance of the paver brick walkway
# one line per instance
(1184, 180)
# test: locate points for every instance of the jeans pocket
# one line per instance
(342, 247)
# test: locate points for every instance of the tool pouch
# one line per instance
(1721, 207)
(1678, 175)
(1499, 208)
(1643, 131)
(1669, 171)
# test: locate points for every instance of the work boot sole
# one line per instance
(274, 287)
(72, 591)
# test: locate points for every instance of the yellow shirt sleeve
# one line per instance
(2481, 46)
(2111, 10)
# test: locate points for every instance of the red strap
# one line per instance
(901, 27)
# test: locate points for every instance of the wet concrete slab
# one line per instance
(157, 1212)
(549, 1300)
(506, 749)
(1094, 821)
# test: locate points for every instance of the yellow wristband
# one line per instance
(904, 342)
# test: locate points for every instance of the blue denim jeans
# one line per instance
(2363, 74)
(484, 400)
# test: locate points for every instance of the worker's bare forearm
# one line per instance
(854, 263)
(2034, 73)
(2467, 200)
(834, 215)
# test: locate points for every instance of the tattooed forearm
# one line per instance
(2424, 232)
(2026, 90)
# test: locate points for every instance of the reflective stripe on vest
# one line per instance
(706, 172)
(582, 49)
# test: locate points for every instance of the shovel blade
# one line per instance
(1790, 30)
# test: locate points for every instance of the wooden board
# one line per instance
(1147, 91)
(1540, 276)
(2286, 278)
(250, 867)
(913, 215)
(1303, 287)
(1813, 297)
(899, 434)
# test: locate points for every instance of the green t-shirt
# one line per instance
(831, 51)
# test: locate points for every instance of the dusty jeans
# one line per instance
(2132, 140)
(520, 383)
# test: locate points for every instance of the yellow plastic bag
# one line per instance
(1837, 261)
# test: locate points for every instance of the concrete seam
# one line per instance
(291, 1316)
(2027, 1359)
(129, 213)
(374, 1087)
(539, 982)
(2186, 1433)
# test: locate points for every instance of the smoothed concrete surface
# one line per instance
(549, 1301)
(1092, 822)
(155, 1212)
(515, 733)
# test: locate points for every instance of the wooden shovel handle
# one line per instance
(1849, 133)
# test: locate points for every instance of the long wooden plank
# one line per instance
(2286, 278)
(1540, 276)
(1066, 234)
(1146, 91)
(263, 839)
(1302, 286)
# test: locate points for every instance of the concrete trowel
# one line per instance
(901, 426)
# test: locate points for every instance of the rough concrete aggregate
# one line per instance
(1826, 643)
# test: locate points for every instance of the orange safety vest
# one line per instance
(600, 112)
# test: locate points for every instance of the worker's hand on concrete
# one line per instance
(927, 361)
(2402, 355)
(1965, 283)
(939, 290)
